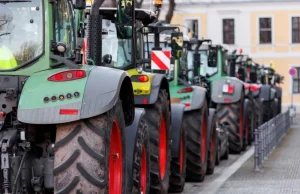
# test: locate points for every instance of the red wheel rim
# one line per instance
(203, 139)
(115, 160)
(181, 155)
(241, 120)
(162, 147)
(143, 174)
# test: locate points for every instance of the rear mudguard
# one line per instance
(131, 138)
(265, 92)
(272, 94)
(217, 95)
(278, 92)
(158, 81)
(177, 119)
(98, 93)
(247, 89)
(198, 98)
(255, 89)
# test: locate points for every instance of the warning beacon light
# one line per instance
(157, 3)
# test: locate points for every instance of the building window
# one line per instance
(228, 31)
(192, 28)
(295, 29)
(265, 30)
(296, 81)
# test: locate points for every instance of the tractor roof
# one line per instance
(146, 16)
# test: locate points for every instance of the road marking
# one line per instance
(217, 183)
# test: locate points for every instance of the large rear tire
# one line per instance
(233, 115)
(157, 118)
(141, 161)
(90, 155)
(213, 146)
(197, 151)
(178, 165)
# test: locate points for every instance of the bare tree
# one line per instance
(170, 12)
(27, 51)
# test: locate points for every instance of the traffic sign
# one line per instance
(292, 71)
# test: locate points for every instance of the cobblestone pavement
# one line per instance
(280, 174)
(195, 188)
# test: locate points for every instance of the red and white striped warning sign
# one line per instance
(160, 60)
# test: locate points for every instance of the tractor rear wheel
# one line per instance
(213, 146)
(197, 146)
(141, 161)
(157, 118)
(233, 115)
(89, 155)
(178, 165)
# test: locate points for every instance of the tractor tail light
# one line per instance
(67, 76)
(229, 89)
(254, 88)
(187, 105)
(185, 90)
(144, 78)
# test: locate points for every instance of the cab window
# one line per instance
(63, 28)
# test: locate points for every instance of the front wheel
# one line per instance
(212, 150)
(178, 165)
(233, 116)
(141, 161)
(157, 118)
(197, 151)
(90, 155)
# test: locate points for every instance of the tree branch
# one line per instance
(170, 13)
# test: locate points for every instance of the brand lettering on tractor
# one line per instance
(161, 60)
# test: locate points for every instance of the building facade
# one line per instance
(267, 30)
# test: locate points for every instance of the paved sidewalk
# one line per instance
(280, 174)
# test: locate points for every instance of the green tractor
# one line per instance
(199, 120)
(151, 92)
(65, 127)
(273, 93)
(228, 94)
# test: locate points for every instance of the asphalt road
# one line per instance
(221, 174)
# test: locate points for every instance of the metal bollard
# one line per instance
(256, 150)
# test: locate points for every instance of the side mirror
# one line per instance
(79, 4)
(177, 44)
(107, 59)
(125, 19)
(212, 57)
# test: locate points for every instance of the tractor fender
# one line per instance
(278, 92)
(255, 88)
(159, 81)
(100, 92)
(177, 119)
(217, 90)
(265, 92)
(211, 115)
(131, 138)
(272, 93)
(198, 98)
